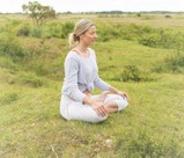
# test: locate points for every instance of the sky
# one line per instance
(11, 6)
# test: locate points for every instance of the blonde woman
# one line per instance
(81, 77)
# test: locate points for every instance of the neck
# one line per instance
(82, 47)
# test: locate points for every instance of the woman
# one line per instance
(81, 77)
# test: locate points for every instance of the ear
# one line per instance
(81, 36)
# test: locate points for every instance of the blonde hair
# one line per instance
(80, 28)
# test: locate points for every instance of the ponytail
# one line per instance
(72, 40)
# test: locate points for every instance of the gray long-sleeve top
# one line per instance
(81, 74)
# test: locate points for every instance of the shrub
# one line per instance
(9, 46)
(66, 29)
(53, 30)
(31, 79)
(138, 14)
(150, 40)
(23, 31)
(144, 146)
(168, 16)
(36, 32)
(174, 64)
(133, 73)
(162, 39)
(58, 30)
(8, 98)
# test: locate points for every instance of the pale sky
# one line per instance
(97, 5)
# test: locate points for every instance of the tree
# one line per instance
(38, 12)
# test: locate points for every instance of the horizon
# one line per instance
(63, 6)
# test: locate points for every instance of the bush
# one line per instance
(162, 39)
(150, 40)
(53, 30)
(23, 31)
(31, 79)
(174, 64)
(9, 46)
(9, 98)
(144, 146)
(133, 73)
(168, 16)
(58, 30)
(66, 29)
(107, 33)
(145, 35)
(36, 32)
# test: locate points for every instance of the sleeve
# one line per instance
(101, 84)
(98, 82)
(71, 71)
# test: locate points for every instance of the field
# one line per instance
(140, 54)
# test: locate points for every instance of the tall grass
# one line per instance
(174, 63)
(132, 57)
(143, 146)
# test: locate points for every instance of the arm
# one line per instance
(98, 82)
(116, 91)
(71, 88)
(101, 84)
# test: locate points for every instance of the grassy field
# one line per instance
(143, 56)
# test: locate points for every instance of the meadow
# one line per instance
(142, 54)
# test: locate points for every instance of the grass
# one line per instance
(152, 126)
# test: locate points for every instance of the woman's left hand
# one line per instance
(123, 94)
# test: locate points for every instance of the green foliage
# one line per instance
(168, 16)
(133, 73)
(38, 12)
(36, 32)
(145, 146)
(138, 14)
(119, 31)
(67, 28)
(53, 30)
(23, 31)
(8, 98)
(150, 40)
(7, 62)
(58, 30)
(173, 63)
(145, 35)
(163, 39)
(31, 74)
(9, 46)
(31, 79)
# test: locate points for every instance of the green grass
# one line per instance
(30, 125)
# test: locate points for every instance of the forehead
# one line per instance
(92, 28)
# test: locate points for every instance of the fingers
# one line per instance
(101, 111)
(124, 95)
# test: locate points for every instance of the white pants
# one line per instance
(72, 110)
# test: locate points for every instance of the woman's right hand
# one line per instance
(96, 105)
(99, 108)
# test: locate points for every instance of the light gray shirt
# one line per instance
(81, 74)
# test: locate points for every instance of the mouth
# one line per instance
(94, 39)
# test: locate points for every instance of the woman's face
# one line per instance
(89, 36)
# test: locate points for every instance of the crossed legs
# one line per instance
(112, 102)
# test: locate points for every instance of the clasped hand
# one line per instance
(99, 108)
